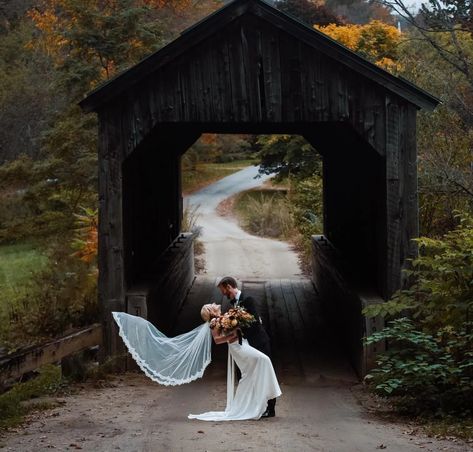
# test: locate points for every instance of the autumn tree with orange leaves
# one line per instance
(88, 42)
(376, 41)
(51, 56)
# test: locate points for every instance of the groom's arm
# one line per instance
(250, 306)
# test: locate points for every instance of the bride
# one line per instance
(182, 359)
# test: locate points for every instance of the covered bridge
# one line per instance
(249, 68)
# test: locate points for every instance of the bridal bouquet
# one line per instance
(224, 327)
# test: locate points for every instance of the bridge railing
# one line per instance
(14, 365)
(343, 304)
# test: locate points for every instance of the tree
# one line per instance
(309, 12)
(26, 93)
(288, 155)
(291, 157)
(445, 172)
(446, 26)
(12, 12)
(359, 11)
(91, 41)
(445, 145)
(375, 41)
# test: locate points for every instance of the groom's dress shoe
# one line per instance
(268, 413)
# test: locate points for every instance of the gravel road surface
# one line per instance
(228, 249)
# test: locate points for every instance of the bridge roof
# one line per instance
(208, 26)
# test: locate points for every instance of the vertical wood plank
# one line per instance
(272, 73)
(393, 198)
(111, 284)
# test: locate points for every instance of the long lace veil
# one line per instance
(166, 360)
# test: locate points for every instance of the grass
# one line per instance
(189, 223)
(12, 403)
(17, 264)
(265, 213)
(208, 173)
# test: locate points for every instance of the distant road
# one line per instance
(229, 249)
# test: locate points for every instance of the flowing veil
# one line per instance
(166, 360)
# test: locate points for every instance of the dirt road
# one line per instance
(229, 249)
(319, 409)
(135, 414)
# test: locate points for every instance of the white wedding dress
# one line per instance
(182, 359)
(257, 385)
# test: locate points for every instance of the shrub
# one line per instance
(306, 200)
(431, 373)
(429, 361)
(442, 291)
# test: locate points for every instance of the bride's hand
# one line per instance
(233, 337)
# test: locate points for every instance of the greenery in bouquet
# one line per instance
(234, 318)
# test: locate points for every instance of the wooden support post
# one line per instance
(370, 326)
(111, 256)
(402, 217)
(393, 199)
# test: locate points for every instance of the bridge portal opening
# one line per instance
(158, 258)
(352, 216)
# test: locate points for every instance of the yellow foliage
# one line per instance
(348, 35)
(376, 41)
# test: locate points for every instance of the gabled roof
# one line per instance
(219, 19)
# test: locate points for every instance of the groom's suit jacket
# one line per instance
(255, 334)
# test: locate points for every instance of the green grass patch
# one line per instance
(208, 173)
(17, 264)
(266, 213)
(12, 406)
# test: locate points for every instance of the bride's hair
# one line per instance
(207, 312)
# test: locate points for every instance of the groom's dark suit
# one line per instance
(255, 333)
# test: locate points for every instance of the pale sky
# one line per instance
(414, 4)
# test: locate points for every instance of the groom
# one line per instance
(255, 334)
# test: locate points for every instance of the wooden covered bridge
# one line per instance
(248, 68)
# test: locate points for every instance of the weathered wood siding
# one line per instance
(254, 73)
